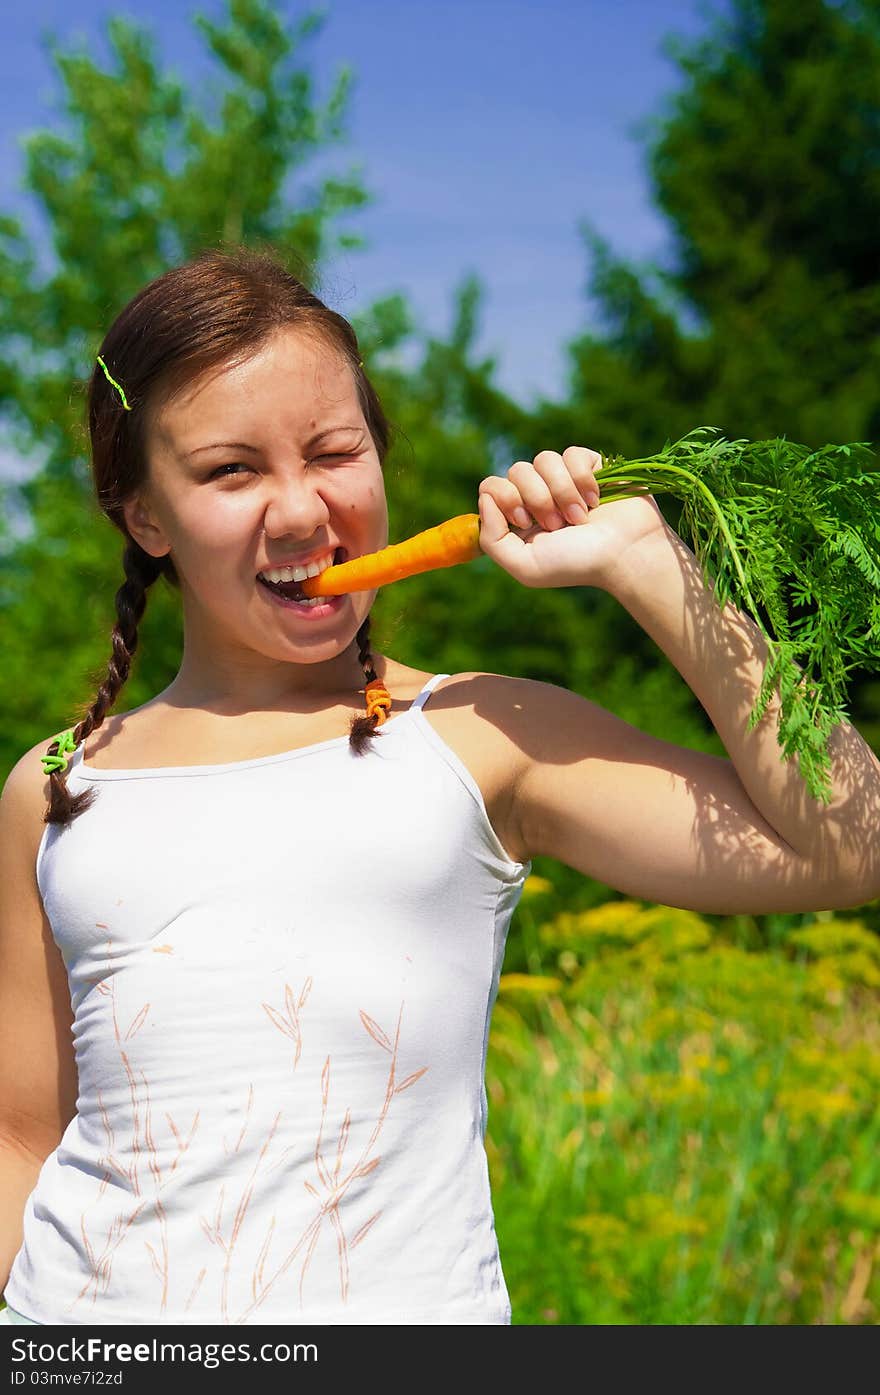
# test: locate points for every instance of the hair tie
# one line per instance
(114, 382)
(378, 700)
(66, 744)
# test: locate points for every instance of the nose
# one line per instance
(295, 509)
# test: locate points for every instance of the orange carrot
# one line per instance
(447, 544)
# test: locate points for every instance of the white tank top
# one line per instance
(282, 972)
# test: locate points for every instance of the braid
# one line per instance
(141, 570)
(363, 728)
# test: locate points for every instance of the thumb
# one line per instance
(496, 538)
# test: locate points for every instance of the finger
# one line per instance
(583, 464)
(592, 457)
(510, 501)
(571, 481)
(536, 487)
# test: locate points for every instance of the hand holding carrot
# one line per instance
(570, 542)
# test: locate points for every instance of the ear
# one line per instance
(143, 528)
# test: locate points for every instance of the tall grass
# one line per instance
(684, 1131)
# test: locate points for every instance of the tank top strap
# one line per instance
(77, 757)
(429, 687)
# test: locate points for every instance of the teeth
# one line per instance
(299, 573)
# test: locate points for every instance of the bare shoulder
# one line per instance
(494, 700)
(25, 796)
(526, 722)
(547, 760)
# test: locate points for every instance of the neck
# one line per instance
(233, 688)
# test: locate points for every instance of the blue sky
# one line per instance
(484, 129)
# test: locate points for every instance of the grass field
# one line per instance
(682, 1130)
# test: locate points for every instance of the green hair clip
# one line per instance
(66, 744)
(114, 382)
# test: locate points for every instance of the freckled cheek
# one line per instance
(358, 512)
(367, 509)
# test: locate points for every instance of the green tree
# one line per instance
(766, 165)
(145, 178)
(765, 319)
(775, 211)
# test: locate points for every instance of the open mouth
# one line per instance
(292, 590)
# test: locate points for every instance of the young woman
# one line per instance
(249, 951)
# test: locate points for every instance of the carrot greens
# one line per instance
(778, 529)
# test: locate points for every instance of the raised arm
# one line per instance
(647, 817)
(38, 1080)
(654, 820)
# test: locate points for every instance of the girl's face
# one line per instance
(268, 463)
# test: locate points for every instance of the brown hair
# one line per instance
(216, 309)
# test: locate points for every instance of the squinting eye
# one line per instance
(234, 465)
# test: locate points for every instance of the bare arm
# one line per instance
(38, 1079)
(647, 817)
(18, 1177)
(721, 655)
(654, 820)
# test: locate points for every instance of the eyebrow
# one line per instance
(242, 445)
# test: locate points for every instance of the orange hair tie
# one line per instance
(378, 700)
